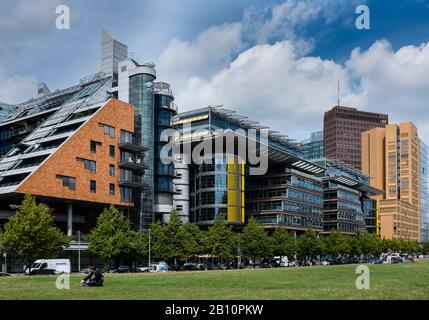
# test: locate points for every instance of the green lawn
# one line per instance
(400, 281)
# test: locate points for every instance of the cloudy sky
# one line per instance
(276, 61)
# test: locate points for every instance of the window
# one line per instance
(69, 182)
(93, 146)
(93, 186)
(112, 189)
(108, 130)
(88, 164)
(111, 170)
(126, 136)
(112, 151)
(126, 194)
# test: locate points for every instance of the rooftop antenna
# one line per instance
(338, 93)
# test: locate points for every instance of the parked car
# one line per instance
(325, 263)
(58, 265)
(142, 269)
(43, 272)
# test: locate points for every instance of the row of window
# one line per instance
(70, 182)
(94, 144)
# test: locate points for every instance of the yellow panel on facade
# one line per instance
(234, 190)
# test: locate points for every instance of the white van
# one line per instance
(159, 267)
(59, 265)
(283, 262)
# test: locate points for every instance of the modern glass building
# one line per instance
(288, 194)
(217, 188)
(165, 109)
(313, 146)
(347, 204)
(424, 192)
(286, 197)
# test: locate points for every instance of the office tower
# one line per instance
(112, 52)
(348, 207)
(342, 131)
(391, 156)
(424, 192)
(313, 146)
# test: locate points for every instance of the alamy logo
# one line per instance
(363, 20)
(201, 146)
(362, 281)
(63, 282)
(63, 20)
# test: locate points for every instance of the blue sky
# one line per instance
(202, 44)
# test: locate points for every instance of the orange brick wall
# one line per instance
(44, 181)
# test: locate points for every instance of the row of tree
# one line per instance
(176, 241)
(31, 234)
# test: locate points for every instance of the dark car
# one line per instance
(123, 269)
(120, 269)
(42, 272)
(5, 274)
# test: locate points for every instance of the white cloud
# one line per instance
(212, 50)
(27, 16)
(277, 86)
(17, 88)
(271, 84)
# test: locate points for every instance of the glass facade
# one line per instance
(287, 198)
(141, 95)
(343, 209)
(369, 207)
(313, 147)
(217, 188)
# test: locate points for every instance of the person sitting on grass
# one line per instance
(94, 279)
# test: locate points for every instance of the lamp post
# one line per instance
(78, 250)
(149, 251)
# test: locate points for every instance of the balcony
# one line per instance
(131, 145)
(131, 182)
(132, 163)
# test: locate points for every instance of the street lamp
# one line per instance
(149, 250)
(78, 250)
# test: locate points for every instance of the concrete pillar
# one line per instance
(69, 220)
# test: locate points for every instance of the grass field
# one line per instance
(399, 281)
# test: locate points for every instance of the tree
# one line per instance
(31, 233)
(112, 238)
(283, 243)
(193, 240)
(254, 240)
(369, 244)
(337, 244)
(308, 245)
(221, 240)
(425, 248)
(169, 239)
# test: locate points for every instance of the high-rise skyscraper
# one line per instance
(313, 146)
(342, 131)
(112, 52)
(391, 156)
